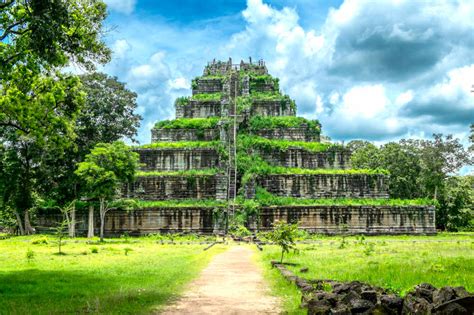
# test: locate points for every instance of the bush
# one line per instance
(284, 235)
(30, 255)
(94, 250)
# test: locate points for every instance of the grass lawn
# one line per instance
(104, 282)
(392, 262)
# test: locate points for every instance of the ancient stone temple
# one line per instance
(237, 151)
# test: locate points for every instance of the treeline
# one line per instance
(426, 169)
(50, 119)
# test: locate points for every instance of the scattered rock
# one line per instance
(370, 296)
(334, 297)
(304, 269)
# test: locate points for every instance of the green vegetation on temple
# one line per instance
(246, 142)
(186, 173)
(244, 103)
(188, 123)
(264, 198)
(181, 145)
(181, 203)
(259, 122)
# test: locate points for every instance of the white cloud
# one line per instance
(122, 6)
(120, 47)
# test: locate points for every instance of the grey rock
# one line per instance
(443, 295)
(370, 296)
(360, 306)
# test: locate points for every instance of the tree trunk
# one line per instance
(28, 228)
(90, 231)
(20, 224)
(72, 223)
(102, 218)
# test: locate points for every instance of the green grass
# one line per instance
(188, 123)
(188, 173)
(106, 282)
(285, 291)
(396, 262)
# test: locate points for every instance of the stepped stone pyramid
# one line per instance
(237, 139)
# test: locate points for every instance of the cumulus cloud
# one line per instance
(122, 6)
(363, 72)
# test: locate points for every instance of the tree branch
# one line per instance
(10, 30)
(6, 4)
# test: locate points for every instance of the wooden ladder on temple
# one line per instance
(232, 141)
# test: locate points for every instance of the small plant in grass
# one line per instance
(60, 232)
(284, 235)
(369, 249)
(127, 250)
(94, 250)
(41, 240)
(126, 237)
(343, 229)
(30, 255)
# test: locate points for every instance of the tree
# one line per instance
(104, 171)
(457, 204)
(365, 155)
(284, 235)
(38, 102)
(107, 116)
(45, 34)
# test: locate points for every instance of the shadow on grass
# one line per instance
(51, 292)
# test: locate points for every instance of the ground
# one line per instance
(142, 276)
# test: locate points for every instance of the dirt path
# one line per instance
(231, 284)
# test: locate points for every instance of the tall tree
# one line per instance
(38, 103)
(107, 116)
(104, 171)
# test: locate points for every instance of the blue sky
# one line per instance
(374, 70)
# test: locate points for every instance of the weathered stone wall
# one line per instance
(297, 157)
(262, 87)
(177, 159)
(317, 219)
(172, 135)
(357, 219)
(139, 222)
(166, 187)
(272, 108)
(324, 185)
(207, 86)
(290, 134)
(199, 109)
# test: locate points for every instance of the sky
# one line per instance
(366, 69)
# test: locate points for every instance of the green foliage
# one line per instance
(259, 122)
(181, 101)
(46, 34)
(188, 123)
(419, 168)
(244, 103)
(249, 142)
(239, 230)
(40, 241)
(457, 203)
(106, 167)
(211, 203)
(94, 250)
(207, 97)
(257, 81)
(181, 145)
(267, 199)
(184, 173)
(108, 114)
(284, 235)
